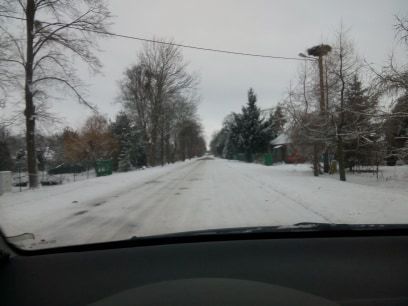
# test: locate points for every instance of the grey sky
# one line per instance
(282, 28)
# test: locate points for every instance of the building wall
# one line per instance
(286, 153)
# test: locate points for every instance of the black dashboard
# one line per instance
(295, 270)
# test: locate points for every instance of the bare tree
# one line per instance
(351, 113)
(393, 78)
(397, 76)
(394, 81)
(159, 92)
(54, 33)
(94, 141)
(8, 77)
(190, 140)
(310, 126)
(343, 53)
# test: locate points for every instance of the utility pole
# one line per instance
(320, 51)
(322, 99)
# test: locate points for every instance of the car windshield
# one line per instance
(124, 119)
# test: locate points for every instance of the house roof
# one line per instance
(281, 139)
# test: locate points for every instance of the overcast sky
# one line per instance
(282, 28)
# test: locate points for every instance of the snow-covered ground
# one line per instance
(199, 194)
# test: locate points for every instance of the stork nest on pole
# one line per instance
(319, 50)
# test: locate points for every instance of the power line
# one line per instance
(170, 43)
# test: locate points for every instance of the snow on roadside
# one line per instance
(367, 201)
(389, 177)
(17, 208)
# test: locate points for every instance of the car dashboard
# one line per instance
(293, 269)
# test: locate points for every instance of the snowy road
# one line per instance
(201, 194)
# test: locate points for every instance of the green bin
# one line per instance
(103, 167)
(241, 156)
(268, 160)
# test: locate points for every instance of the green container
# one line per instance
(103, 167)
(268, 160)
(241, 156)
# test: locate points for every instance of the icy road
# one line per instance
(200, 194)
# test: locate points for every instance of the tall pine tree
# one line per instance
(249, 128)
(132, 149)
(360, 132)
(124, 164)
(279, 120)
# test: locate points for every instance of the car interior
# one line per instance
(283, 268)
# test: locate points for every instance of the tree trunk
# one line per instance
(162, 147)
(167, 149)
(340, 157)
(322, 98)
(326, 165)
(340, 150)
(153, 147)
(30, 108)
(175, 154)
(326, 86)
(316, 170)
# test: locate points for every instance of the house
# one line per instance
(282, 150)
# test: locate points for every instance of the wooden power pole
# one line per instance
(320, 51)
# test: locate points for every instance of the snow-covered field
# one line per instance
(199, 194)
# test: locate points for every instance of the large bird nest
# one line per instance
(319, 50)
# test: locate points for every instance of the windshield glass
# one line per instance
(124, 119)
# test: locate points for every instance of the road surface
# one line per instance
(206, 193)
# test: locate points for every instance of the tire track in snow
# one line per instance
(84, 224)
(154, 201)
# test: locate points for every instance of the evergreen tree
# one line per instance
(131, 143)
(249, 127)
(246, 132)
(360, 132)
(358, 104)
(124, 164)
(279, 120)
(217, 143)
(396, 132)
(137, 150)
(228, 151)
(269, 131)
